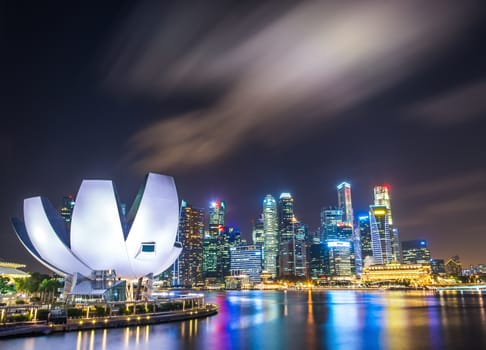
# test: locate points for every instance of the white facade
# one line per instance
(101, 238)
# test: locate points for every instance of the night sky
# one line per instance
(237, 100)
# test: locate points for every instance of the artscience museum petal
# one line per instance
(153, 230)
(97, 233)
(100, 236)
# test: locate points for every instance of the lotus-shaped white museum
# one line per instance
(101, 237)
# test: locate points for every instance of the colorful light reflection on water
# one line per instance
(335, 319)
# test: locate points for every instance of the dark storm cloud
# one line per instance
(279, 70)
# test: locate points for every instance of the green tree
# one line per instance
(48, 289)
(6, 286)
(20, 284)
(31, 284)
(49, 285)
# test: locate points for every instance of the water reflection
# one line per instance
(342, 317)
(103, 339)
(435, 324)
(311, 332)
(300, 320)
(482, 307)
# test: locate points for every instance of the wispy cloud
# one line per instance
(452, 107)
(280, 70)
(451, 184)
(449, 214)
(453, 202)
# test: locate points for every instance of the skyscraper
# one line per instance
(365, 236)
(415, 252)
(217, 214)
(330, 218)
(230, 238)
(395, 243)
(339, 257)
(258, 235)
(285, 217)
(346, 234)
(270, 235)
(213, 243)
(300, 250)
(346, 205)
(191, 233)
(344, 202)
(382, 197)
(247, 259)
(286, 232)
(317, 261)
(380, 234)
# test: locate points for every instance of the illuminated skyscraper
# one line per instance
(285, 217)
(317, 261)
(344, 202)
(347, 230)
(286, 232)
(395, 243)
(247, 259)
(382, 197)
(270, 235)
(339, 258)
(415, 252)
(217, 214)
(346, 234)
(230, 238)
(365, 236)
(338, 244)
(191, 233)
(213, 244)
(330, 218)
(258, 236)
(300, 249)
(380, 234)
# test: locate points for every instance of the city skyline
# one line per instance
(238, 101)
(214, 216)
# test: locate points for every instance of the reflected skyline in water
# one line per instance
(335, 319)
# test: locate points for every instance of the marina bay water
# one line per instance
(325, 319)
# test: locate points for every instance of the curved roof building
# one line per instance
(100, 237)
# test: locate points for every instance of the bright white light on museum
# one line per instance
(97, 240)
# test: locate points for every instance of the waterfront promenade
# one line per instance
(79, 324)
